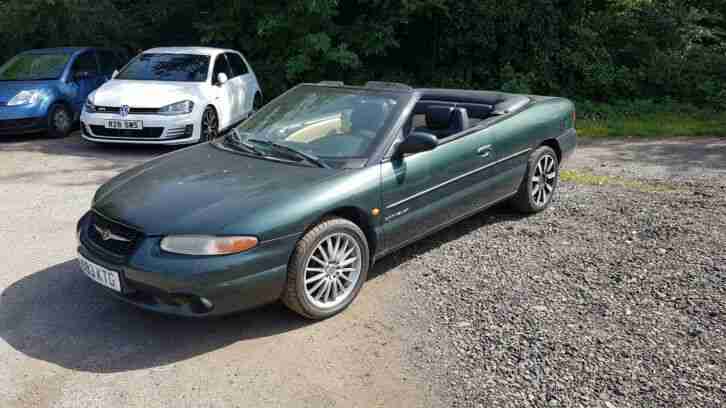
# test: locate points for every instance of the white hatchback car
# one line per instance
(172, 96)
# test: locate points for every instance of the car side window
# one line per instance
(238, 66)
(221, 66)
(85, 64)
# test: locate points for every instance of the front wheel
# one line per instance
(60, 121)
(327, 269)
(210, 125)
(257, 102)
(540, 181)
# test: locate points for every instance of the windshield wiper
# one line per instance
(235, 141)
(299, 153)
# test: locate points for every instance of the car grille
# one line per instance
(145, 133)
(132, 111)
(111, 236)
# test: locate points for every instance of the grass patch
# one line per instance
(644, 118)
(588, 178)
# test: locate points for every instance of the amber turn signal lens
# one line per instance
(233, 245)
(207, 245)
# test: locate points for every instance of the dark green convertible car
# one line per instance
(297, 202)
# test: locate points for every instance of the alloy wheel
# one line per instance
(332, 270)
(210, 125)
(544, 179)
(61, 120)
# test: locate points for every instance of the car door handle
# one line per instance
(484, 151)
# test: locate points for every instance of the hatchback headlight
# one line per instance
(30, 97)
(179, 108)
(89, 106)
(207, 245)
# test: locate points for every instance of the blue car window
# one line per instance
(86, 62)
(33, 67)
(167, 67)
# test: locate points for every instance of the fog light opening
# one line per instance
(188, 130)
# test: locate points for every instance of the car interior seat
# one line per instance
(444, 121)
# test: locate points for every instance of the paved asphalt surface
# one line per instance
(63, 343)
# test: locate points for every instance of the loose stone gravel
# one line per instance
(613, 297)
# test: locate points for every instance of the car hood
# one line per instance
(8, 89)
(145, 94)
(200, 190)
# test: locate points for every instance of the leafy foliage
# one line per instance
(599, 50)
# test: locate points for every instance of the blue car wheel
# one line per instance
(60, 121)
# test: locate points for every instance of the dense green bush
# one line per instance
(605, 51)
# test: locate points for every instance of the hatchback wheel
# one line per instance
(60, 121)
(210, 125)
(257, 103)
(327, 269)
(540, 182)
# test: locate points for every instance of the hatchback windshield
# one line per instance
(332, 124)
(167, 67)
(34, 67)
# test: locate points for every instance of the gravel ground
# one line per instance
(614, 297)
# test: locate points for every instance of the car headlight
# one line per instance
(89, 106)
(30, 97)
(207, 245)
(179, 108)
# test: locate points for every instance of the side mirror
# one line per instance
(417, 142)
(221, 78)
(115, 74)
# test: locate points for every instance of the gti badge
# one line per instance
(124, 111)
(107, 234)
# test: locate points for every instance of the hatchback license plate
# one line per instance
(124, 124)
(105, 277)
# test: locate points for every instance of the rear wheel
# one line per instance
(60, 121)
(210, 125)
(257, 102)
(327, 269)
(540, 182)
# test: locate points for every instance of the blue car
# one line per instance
(45, 89)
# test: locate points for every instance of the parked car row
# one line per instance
(172, 96)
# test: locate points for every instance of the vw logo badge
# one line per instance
(124, 111)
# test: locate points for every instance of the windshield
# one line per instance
(167, 67)
(333, 124)
(34, 67)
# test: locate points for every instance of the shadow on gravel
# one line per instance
(59, 316)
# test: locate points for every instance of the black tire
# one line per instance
(257, 102)
(294, 295)
(60, 121)
(530, 198)
(209, 125)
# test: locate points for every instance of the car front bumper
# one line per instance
(176, 284)
(158, 129)
(16, 120)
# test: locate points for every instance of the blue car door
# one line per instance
(85, 77)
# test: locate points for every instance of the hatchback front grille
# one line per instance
(112, 236)
(145, 133)
(132, 111)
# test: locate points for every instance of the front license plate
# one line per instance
(124, 124)
(105, 277)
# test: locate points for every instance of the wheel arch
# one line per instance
(555, 145)
(358, 217)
